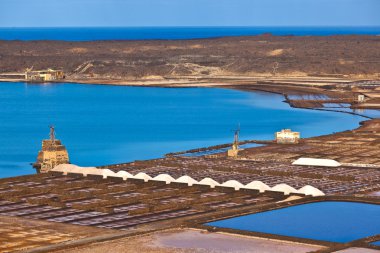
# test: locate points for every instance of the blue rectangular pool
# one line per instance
(327, 221)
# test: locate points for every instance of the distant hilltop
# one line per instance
(345, 55)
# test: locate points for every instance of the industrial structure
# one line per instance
(233, 152)
(52, 154)
(286, 136)
(44, 75)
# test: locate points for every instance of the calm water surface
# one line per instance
(145, 33)
(326, 221)
(102, 124)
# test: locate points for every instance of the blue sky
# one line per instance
(51, 13)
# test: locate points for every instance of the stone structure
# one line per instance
(52, 154)
(286, 136)
(44, 75)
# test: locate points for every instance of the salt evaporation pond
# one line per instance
(103, 124)
(332, 221)
(220, 150)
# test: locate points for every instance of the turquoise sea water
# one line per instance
(327, 221)
(144, 33)
(102, 124)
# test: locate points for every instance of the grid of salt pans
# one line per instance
(254, 185)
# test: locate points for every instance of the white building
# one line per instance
(286, 136)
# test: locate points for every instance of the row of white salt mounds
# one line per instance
(254, 185)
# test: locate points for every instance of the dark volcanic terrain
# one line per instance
(354, 56)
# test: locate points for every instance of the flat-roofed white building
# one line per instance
(286, 136)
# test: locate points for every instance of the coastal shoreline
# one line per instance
(334, 66)
(285, 86)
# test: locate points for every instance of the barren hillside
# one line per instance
(313, 55)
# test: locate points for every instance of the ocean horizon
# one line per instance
(171, 33)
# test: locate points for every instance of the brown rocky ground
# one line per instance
(154, 59)
(21, 234)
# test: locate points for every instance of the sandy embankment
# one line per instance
(183, 241)
(212, 81)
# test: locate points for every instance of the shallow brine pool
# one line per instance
(327, 221)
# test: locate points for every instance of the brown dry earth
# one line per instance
(357, 56)
(21, 234)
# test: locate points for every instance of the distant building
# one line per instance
(361, 98)
(52, 154)
(286, 136)
(233, 152)
(44, 75)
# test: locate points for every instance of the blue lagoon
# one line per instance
(102, 124)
